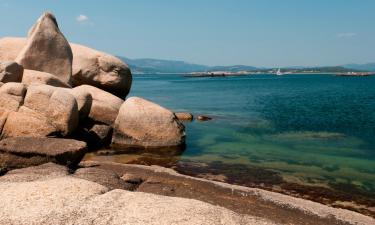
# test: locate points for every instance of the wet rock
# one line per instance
(146, 125)
(23, 152)
(101, 70)
(203, 118)
(106, 178)
(47, 50)
(104, 107)
(10, 72)
(36, 77)
(184, 116)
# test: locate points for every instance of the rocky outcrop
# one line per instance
(68, 200)
(101, 70)
(10, 72)
(24, 152)
(47, 50)
(143, 124)
(57, 105)
(10, 47)
(90, 66)
(12, 96)
(36, 77)
(84, 101)
(104, 107)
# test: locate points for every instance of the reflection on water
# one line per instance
(303, 130)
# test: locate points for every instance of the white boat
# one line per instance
(279, 73)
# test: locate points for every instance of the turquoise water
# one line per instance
(309, 129)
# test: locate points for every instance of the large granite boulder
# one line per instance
(10, 47)
(101, 70)
(105, 106)
(27, 123)
(56, 104)
(10, 72)
(12, 96)
(36, 77)
(89, 66)
(143, 124)
(23, 152)
(84, 101)
(47, 50)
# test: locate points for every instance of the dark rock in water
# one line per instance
(24, 152)
(106, 178)
(203, 118)
(10, 72)
(184, 116)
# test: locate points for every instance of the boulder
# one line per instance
(143, 124)
(56, 104)
(47, 50)
(3, 117)
(10, 47)
(37, 77)
(105, 106)
(12, 96)
(10, 72)
(184, 116)
(27, 123)
(203, 118)
(101, 70)
(84, 101)
(90, 66)
(96, 135)
(21, 152)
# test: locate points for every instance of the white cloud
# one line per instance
(346, 35)
(82, 18)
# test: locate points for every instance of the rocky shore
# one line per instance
(59, 101)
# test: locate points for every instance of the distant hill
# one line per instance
(152, 66)
(162, 66)
(172, 66)
(365, 67)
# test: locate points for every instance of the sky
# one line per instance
(269, 33)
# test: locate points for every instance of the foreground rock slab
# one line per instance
(143, 124)
(24, 152)
(47, 50)
(68, 200)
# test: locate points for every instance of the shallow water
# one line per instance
(310, 129)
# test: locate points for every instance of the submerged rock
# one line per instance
(184, 116)
(23, 152)
(143, 124)
(10, 72)
(47, 50)
(203, 118)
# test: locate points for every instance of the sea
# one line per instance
(312, 136)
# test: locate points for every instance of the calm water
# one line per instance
(310, 129)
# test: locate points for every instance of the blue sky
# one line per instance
(213, 32)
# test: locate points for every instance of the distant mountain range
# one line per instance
(365, 67)
(147, 66)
